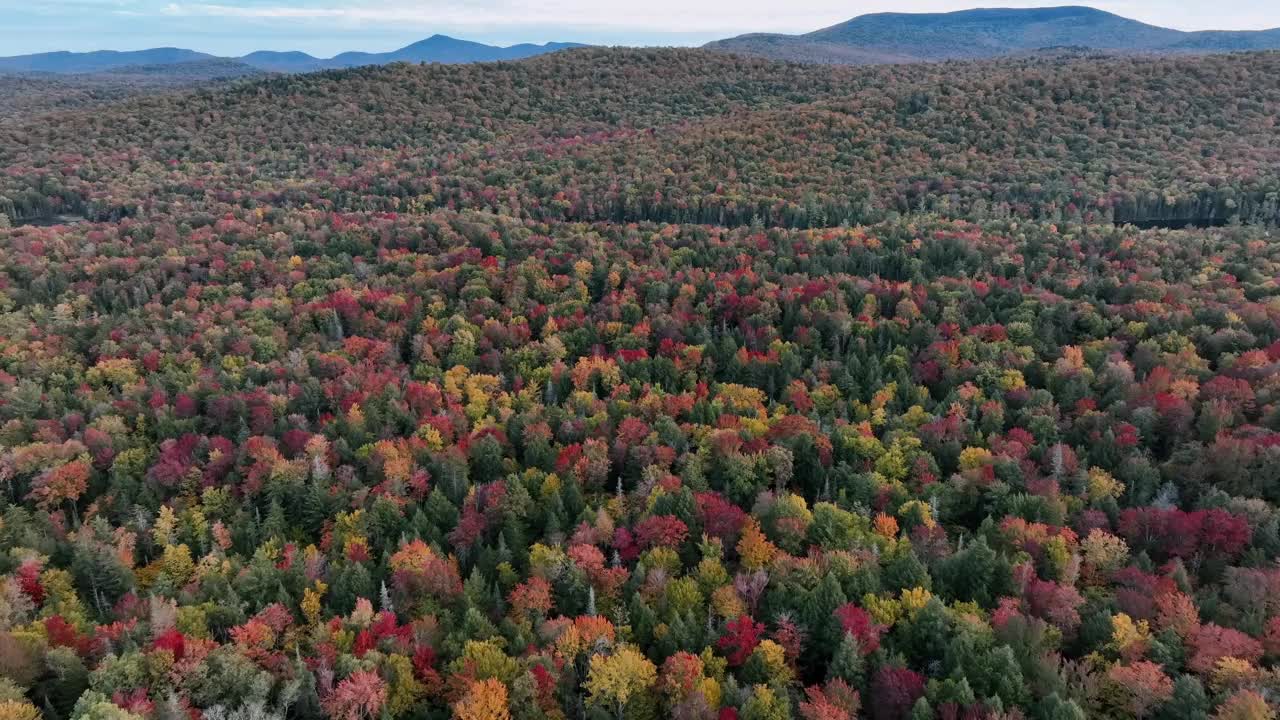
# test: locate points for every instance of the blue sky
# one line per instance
(326, 27)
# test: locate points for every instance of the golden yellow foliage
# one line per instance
(16, 710)
(485, 700)
(1246, 705)
(615, 679)
(1232, 672)
(1103, 485)
(115, 371)
(885, 610)
(165, 525)
(727, 603)
(972, 458)
(774, 659)
(917, 511)
(176, 564)
(710, 692)
(1128, 638)
(753, 547)
(914, 600)
(311, 605)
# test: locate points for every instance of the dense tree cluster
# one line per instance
(283, 434)
(689, 136)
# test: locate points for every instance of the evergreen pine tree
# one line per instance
(847, 664)
(1189, 701)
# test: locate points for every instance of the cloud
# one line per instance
(233, 11)
(652, 15)
(698, 16)
(330, 26)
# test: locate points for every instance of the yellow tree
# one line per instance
(1246, 705)
(18, 709)
(753, 547)
(615, 679)
(485, 700)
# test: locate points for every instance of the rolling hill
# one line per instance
(684, 135)
(986, 33)
(33, 93)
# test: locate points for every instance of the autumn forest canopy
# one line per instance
(644, 384)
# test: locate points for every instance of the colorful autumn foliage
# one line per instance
(647, 384)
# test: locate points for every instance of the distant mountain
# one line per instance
(797, 48)
(437, 48)
(986, 33)
(444, 49)
(287, 62)
(99, 61)
(1230, 40)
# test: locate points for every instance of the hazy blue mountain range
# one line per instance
(437, 48)
(98, 61)
(986, 33)
(874, 38)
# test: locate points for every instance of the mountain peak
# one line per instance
(438, 39)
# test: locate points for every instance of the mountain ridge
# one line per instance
(66, 62)
(980, 33)
(873, 38)
(437, 48)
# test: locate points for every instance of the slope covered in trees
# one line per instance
(679, 136)
(643, 384)
(29, 94)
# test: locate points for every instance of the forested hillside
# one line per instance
(30, 94)
(647, 384)
(689, 136)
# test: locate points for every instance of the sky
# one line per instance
(327, 27)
